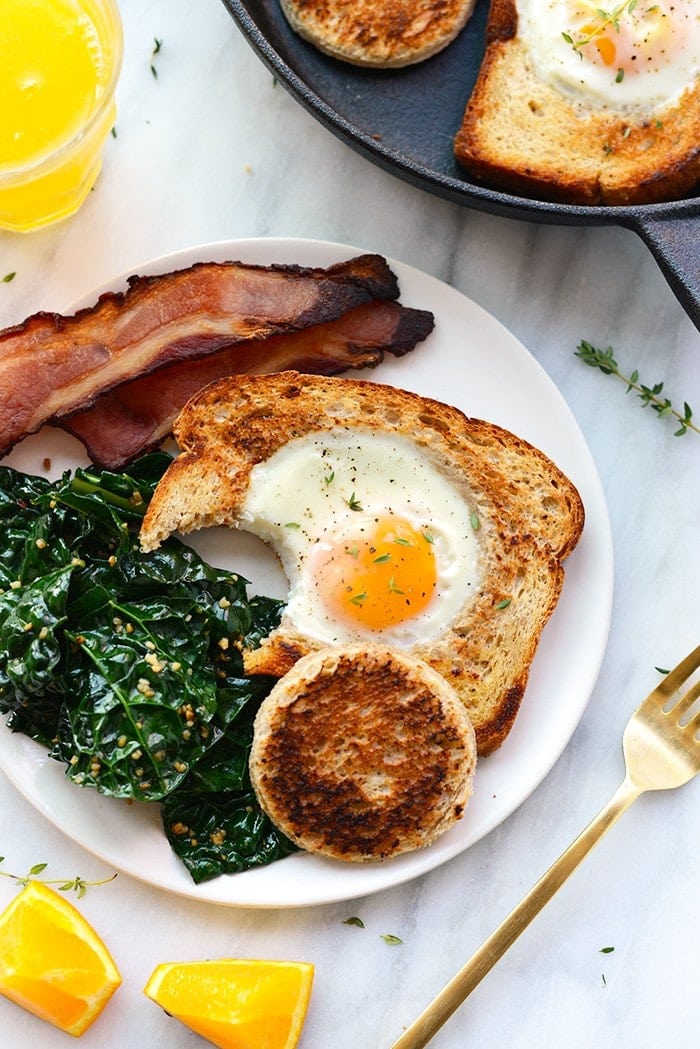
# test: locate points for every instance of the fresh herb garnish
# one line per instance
(354, 503)
(503, 603)
(78, 885)
(9, 277)
(393, 588)
(157, 44)
(358, 599)
(391, 939)
(382, 559)
(650, 396)
(328, 480)
(606, 950)
(603, 19)
(127, 666)
(354, 921)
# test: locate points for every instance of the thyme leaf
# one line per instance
(650, 396)
(354, 921)
(391, 939)
(9, 277)
(157, 44)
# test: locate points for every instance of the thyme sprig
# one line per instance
(78, 885)
(605, 19)
(650, 396)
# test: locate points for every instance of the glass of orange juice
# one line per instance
(59, 65)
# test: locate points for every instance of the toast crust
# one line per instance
(383, 34)
(530, 517)
(362, 753)
(521, 134)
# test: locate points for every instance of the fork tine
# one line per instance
(680, 673)
(686, 701)
(693, 725)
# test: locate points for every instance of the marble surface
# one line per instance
(211, 149)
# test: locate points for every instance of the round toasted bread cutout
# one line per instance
(385, 34)
(362, 753)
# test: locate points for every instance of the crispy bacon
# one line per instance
(137, 416)
(51, 365)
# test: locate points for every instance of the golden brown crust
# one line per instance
(530, 516)
(519, 133)
(362, 753)
(379, 33)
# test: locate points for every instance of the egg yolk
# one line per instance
(631, 38)
(379, 575)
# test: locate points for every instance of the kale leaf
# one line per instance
(127, 666)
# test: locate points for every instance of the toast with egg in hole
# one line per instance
(382, 34)
(396, 518)
(582, 105)
(361, 753)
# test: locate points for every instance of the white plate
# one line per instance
(471, 361)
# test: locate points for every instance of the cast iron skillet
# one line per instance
(405, 121)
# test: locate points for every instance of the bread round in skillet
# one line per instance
(380, 33)
(362, 753)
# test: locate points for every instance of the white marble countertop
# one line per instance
(211, 150)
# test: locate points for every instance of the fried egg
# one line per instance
(633, 55)
(376, 543)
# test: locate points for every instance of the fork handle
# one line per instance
(482, 961)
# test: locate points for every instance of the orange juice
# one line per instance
(59, 63)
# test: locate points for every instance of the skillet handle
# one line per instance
(675, 244)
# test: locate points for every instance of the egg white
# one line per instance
(657, 45)
(308, 494)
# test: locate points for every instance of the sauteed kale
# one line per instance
(127, 666)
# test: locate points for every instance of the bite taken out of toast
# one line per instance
(397, 520)
(581, 105)
(384, 34)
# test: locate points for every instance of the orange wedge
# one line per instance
(52, 962)
(234, 1003)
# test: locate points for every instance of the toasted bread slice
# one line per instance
(362, 753)
(380, 33)
(521, 133)
(528, 516)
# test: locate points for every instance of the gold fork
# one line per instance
(662, 750)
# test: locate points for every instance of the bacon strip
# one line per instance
(51, 365)
(139, 415)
